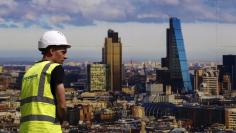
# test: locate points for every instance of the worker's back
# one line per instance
(38, 110)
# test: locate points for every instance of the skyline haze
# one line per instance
(208, 27)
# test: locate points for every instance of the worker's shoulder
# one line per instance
(58, 69)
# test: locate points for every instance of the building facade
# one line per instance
(209, 83)
(112, 56)
(1, 69)
(198, 73)
(228, 69)
(176, 60)
(98, 77)
(230, 118)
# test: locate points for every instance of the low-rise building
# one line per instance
(230, 118)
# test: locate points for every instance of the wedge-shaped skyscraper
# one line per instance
(176, 60)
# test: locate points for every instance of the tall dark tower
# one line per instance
(176, 60)
(229, 68)
(112, 55)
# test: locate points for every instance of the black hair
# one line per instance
(45, 50)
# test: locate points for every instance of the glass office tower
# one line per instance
(176, 60)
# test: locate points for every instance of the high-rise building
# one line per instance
(198, 73)
(225, 86)
(98, 77)
(206, 80)
(228, 68)
(176, 60)
(163, 76)
(209, 83)
(112, 56)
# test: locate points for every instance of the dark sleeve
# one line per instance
(57, 77)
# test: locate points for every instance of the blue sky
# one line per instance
(207, 25)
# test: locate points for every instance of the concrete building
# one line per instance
(112, 56)
(163, 99)
(1, 69)
(138, 111)
(86, 113)
(157, 94)
(163, 77)
(106, 115)
(128, 90)
(198, 78)
(5, 81)
(230, 118)
(225, 86)
(209, 83)
(98, 77)
(154, 89)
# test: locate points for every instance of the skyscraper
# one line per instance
(112, 56)
(176, 60)
(228, 69)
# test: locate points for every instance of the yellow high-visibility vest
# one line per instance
(38, 109)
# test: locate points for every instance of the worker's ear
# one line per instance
(51, 51)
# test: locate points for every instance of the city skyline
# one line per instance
(141, 25)
(134, 66)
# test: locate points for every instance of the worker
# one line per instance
(43, 105)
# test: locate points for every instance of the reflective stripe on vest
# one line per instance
(38, 118)
(42, 80)
(37, 99)
(29, 101)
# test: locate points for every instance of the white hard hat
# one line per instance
(52, 38)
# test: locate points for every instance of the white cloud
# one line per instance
(106, 9)
(199, 8)
(88, 3)
(8, 3)
(40, 2)
(59, 19)
(3, 12)
(2, 20)
(168, 2)
(7, 6)
(152, 15)
(30, 16)
(82, 12)
(92, 9)
(228, 17)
